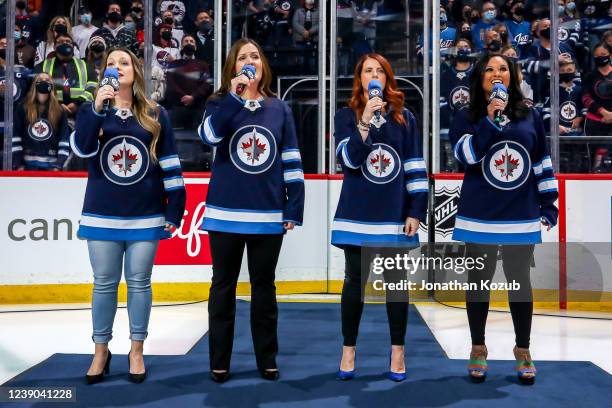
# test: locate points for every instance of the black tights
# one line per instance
(352, 301)
(516, 261)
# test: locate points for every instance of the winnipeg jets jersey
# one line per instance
(130, 195)
(257, 180)
(38, 145)
(509, 183)
(385, 181)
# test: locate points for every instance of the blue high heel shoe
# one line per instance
(347, 375)
(397, 377)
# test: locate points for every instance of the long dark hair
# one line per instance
(516, 109)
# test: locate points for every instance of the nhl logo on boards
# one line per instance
(124, 160)
(460, 97)
(507, 165)
(40, 130)
(446, 203)
(253, 149)
(568, 111)
(382, 165)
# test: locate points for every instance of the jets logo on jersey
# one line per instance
(445, 44)
(382, 165)
(568, 111)
(285, 6)
(563, 34)
(253, 149)
(507, 165)
(40, 130)
(521, 39)
(124, 160)
(460, 97)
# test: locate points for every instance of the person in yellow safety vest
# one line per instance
(74, 80)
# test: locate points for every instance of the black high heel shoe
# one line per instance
(270, 374)
(135, 378)
(96, 378)
(219, 377)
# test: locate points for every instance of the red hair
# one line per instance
(391, 95)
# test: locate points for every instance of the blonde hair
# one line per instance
(50, 32)
(32, 107)
(145, 110)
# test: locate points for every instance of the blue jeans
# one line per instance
(106, 259)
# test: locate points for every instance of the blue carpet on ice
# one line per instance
(310, 346)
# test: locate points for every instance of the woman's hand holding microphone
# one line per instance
(495, 105)
(373, 105)
(105, 92)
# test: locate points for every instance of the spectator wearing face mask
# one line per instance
(94, 53)
(537, 61)
(188, 87)
(164, 51)
(40, 140)
(114, 32)
(571, 109)
(596, 19)
(137, 9)
(597, 98)
(454, 95)
(74, 81)
(492, 42)
(205, 38)
(28, 21)
(447, 36)
(82, 32)
(60, 25)
(570, 30)
(519, 30)
(24, 52)
(177, 33)
(487, 22)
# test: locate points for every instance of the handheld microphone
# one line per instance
(249, 71)
(111, 77)
(499, 92)
(375, 90)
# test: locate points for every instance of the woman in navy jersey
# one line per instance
(135, 196)
(255, 195)
(41, 129)
(509, 189)
(383, 198)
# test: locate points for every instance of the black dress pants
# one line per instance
(262, 254)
